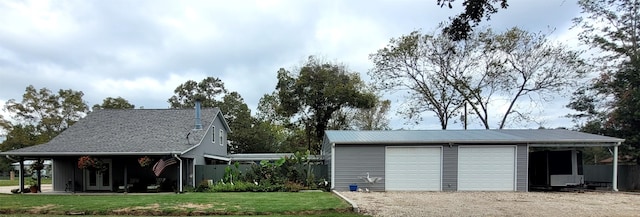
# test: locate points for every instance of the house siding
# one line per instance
(352, 162)
(326, 155)
(450, 168)
(522, 168)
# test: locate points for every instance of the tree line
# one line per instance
(453, 78)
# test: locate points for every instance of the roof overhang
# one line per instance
(63, 154)
(215, 157)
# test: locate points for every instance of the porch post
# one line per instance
(39, 179)
(614, 183)
(21, 174)
(126, 185)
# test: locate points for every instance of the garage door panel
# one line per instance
(486, 168)
(413, 168)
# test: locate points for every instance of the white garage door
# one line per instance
(413, 168)
(486, 168)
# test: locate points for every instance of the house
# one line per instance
(447, 160)
(179, 138)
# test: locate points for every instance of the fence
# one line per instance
(216, 172)
(628, 175)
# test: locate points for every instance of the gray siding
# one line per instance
(63, 171)
(326, 154)
(522, 168)
(210, 143)
(450, 168)
(352, 162)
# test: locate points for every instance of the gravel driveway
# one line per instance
(496, 203)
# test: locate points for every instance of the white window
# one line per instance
(213, 134)
(221, 137)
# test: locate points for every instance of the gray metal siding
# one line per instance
(62, 172)
(326, 154)
(450, 168)
(522, 168)
(208, 145)
(352, 162)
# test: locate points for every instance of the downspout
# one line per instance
(180, 172)
(614, 183)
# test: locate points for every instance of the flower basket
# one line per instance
(145, 161)
(90, 163)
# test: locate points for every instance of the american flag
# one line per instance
(161, 164)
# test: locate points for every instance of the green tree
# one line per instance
(374, 118)
(608, 105)
(48, 112)
(114, 103)
(20, 136)
(207, 91)
(461, 26)
(316, 92)
(245, 135)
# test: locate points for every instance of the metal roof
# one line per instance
(539, 137)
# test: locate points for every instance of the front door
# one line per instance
(99, 180)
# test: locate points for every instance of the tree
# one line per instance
(533, 65)
(48, 112)
(20, 136)
(186, 94)
(418, 64)
(442, 75)
(244, 137)
(114, 103)
(461, 26)
(374, 118)
(316, 92)
(609, 103)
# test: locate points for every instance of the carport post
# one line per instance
(614, 183)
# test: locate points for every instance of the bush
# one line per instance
(293, 187)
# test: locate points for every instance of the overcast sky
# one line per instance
(142, 50)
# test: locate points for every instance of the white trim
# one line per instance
(180, 173)
(526, 181)
(614, 182)
(333, 165)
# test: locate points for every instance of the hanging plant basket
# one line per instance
(145, 161)
(90, 163)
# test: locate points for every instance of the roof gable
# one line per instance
(130, 131)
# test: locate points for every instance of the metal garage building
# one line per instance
(444, 160)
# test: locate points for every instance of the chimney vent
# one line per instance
(198, 125)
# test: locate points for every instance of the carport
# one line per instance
(445, 160)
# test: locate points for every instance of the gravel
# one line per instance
(496, 203)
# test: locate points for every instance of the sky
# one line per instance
(142, 50)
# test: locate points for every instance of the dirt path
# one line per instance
(496, 203)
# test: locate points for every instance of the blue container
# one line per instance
(353, 187)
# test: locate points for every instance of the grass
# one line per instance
(14, 182)
(249, 203)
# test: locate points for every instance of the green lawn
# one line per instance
(249, 203)
(14, 182)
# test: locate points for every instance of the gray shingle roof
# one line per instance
(468, 137)
(131, 131)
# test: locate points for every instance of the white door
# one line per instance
(413, 168)
(97, 180)
(486, 168)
